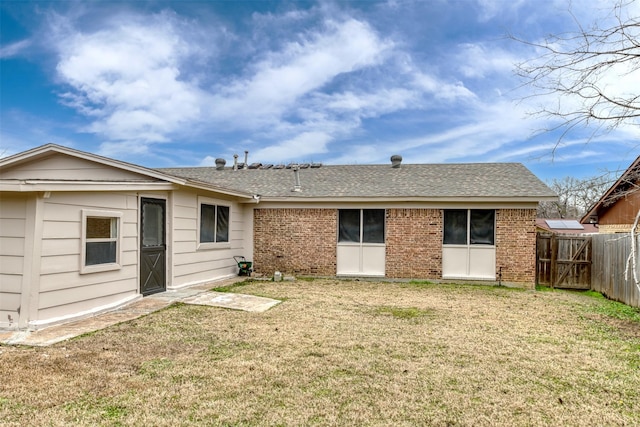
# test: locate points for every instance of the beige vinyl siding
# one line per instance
(62, 167)
(12, 245)
(64, 291)
(192, 264)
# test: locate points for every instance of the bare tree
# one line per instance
(575, 196)
(577, 68)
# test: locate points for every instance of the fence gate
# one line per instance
(563, 261)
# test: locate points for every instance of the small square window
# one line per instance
(100, 241)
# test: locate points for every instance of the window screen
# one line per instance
(455, 227)
(100, 253)
(349, 225)
(214, 223)
(352, 221)
(222, 224)
(373, 225)
(207, 223)
(482, 224)
(153, 224)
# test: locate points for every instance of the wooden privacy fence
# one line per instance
(609, 261)
(596, 262)
(563, 261)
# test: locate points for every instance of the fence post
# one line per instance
(554, 260)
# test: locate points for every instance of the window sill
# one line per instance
(98, 268)
(213, 246)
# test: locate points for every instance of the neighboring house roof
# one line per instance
(472, 181)
(140, 175)
(565, 226)
(631, 175)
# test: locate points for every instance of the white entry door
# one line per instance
(361, 247)
(468, 250)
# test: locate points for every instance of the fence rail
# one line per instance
(608, 263)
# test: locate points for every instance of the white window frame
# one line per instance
(96, 268)
(214, 244)
(361, 258)
(470, 252)
(468, 243)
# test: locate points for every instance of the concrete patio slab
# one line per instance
(243, 302)
(199, 294)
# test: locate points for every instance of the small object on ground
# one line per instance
(244, 266)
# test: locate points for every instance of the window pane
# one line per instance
(101, 228)
(455, 227)
(222, 224)
(153, 224)
(373, 225)
(207, 223)
(100, 253)
(482, 227)
(349, 225)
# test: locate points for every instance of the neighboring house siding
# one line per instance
(414, 243)
(516, 245)
(12, 247)
(619, 217)
(295, 241)
(191, 262)
(63, 290)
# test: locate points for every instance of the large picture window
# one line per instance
(100, 241)
(469, 227)
(214, 223)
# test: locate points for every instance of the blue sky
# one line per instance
(180, 83)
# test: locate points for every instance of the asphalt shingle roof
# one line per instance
(469, 180)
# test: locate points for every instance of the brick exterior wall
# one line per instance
(516, 245)
(303, 241)
(414, 243)
(295, 241)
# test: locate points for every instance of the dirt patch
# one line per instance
(339, 353)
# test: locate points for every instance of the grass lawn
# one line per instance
(343, 353)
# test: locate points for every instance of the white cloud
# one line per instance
(14, 49)
(301, 68)
(302, 146)
(477, 60)
(127, 78)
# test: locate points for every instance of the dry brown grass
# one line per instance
(341, 353)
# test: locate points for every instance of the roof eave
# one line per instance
(54, 148)
(28, 185)
(596, 207)
(351, 199)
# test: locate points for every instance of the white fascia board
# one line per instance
(48, 185)
(396, 205)
(36, 185)
(457, 200)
